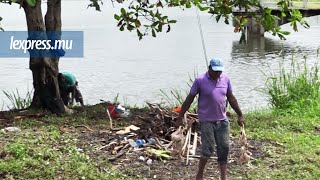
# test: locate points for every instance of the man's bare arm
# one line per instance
(234, 103)
(235, 106)
(186, 105)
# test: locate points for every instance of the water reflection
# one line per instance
(260, 57)
(265, 49)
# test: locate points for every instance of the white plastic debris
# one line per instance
(79, 150)
(141, 158)
(11, 129)
(149, 161)
(132, 143)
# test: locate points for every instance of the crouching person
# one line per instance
(68, 85)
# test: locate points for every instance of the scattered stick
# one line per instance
(167, 146)
(187, 136)
(164, 140)
(194, 145)
(197, 156)
(188, 149)
(108, 145)
(186, 141)
(192, 115)
(121, 152)
(85, 127)
(158, 144)
(118, 148)
(110, 119)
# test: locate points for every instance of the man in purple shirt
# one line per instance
(213, 87)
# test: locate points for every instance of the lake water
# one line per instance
(116, 62)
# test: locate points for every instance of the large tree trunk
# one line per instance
(45, 69)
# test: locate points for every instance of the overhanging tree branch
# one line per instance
(145, 15)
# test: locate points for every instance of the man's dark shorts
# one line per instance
(215, 133)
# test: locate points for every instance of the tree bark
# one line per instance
(53, 23)
(45, 69)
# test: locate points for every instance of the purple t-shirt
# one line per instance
(212, 96)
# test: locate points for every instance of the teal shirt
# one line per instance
(70, 79)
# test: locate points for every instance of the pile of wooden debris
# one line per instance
(157, 135)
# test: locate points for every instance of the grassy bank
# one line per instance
(44, 149)
(294, 152)
(50, 147)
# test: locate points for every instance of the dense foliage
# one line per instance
(154, 21)
(146, 17)
(295, 91)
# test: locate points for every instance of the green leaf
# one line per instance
(122, 27)
(159, 4)
(295, 27)
(164, 17)
(160, 27)
(172, 21)
(202, 8)
(281, 36)
(123, 11)
(306, 25)
(188, 4)
(139, 34)
(130, 27)
(95, 4)
(137, 23)
(244, 21)
(218, 18)
(158, 15)
(0, 18)
(154, 33)
(154, 24)
(226, 21)
(120, 23)
(285, 33)
(117, 17)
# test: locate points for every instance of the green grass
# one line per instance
(42, 150)
(17, 101)
(45, 153)
(295, 91)
(297, 156)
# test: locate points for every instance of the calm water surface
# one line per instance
(116, 62)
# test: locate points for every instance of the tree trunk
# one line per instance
(45, 69)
